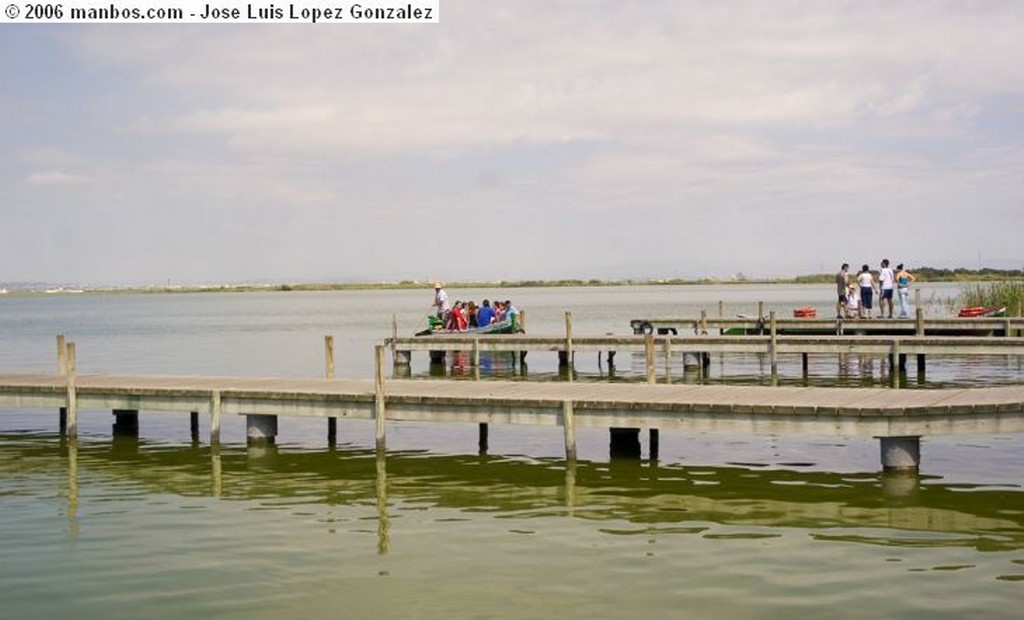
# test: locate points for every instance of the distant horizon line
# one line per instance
(943, 274)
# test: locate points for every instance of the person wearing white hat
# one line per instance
(441, 301)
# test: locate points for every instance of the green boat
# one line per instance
(436, 326)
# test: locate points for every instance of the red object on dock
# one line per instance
(805, 313)
(982, 311)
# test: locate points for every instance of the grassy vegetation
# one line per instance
(1009, 293)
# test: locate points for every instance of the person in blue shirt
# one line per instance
(485, 314)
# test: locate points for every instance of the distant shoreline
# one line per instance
(923, 275)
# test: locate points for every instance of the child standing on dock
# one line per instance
(852, 302)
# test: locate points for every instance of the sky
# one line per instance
(517, 140)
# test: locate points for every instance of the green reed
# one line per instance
(1009, 293)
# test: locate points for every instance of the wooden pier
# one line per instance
(898, 418)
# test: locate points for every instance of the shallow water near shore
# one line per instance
(719, 526)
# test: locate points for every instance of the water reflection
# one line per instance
(71, 445)
(652, 497)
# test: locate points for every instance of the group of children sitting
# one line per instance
(464, 315)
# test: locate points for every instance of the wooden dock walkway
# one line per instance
(920, 326)
(897, 417)
(695, 348)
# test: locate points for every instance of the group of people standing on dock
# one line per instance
(857, 299)
(463, 315)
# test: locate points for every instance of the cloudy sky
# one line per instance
(519, 139)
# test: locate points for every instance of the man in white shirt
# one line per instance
(441, 301)
(886, 282)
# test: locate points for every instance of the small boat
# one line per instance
(805, 313)
(982, 311)
(435, 326)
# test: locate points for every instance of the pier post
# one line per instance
(760, 311)
(332, 422)
(772, 348)
(72, 402)
(476, 358)
(260, 429)
(62, 357)
(193, 426)
(329, 357)
(668, 359)
(901, 454)
(919, 331)
(652, 376)
(896, 363)
(654, 443)
(625, 443)
(703, 322)
(126, 423)
(62, 369)
(394, 337)
(569, 427)
(569, 355)
(378, 401)
(215, 406)
(482, 439)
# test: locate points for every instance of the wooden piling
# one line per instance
(476, 358)
(894, 364)
(773, 346)
(379, 411)
(72, 402)
(329, 357)
(652, 376)
(668, 359)
(193, 426)
(332, 423)
(569, 357)
(62, 369)
(62, 359)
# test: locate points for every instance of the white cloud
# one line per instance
(55, 177)
(606, 112)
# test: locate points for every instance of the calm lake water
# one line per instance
(720, 526)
